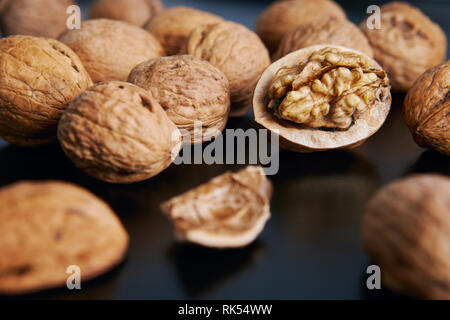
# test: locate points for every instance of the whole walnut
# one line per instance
(192, 92)
(137, 12)
(283, 16)
(117, 132)
(407, 44)
(426, 109)
(41, 18)
(324, 31)
(109, 49)
(38, 78)
(406, 231)
(173, 26)
(235, 50)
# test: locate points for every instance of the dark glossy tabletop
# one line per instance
(309, 249)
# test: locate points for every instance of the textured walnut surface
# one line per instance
(189, 89)
(406, 230)
(46, 227)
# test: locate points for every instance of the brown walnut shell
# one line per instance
(281, 17)
(192, 92)
(46, 227)
(38, 78)
(407, 44)
(229, 211)
(117, 132)
(110, 49)
(426, 109)
(406, 231)
(137, 12)
(173, 26)
(235, 50)
(309, 71)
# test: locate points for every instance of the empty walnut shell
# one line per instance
(109, 49)
(137, 12)
(193, 92)
(47, 227)
(322, 97)
(283, 16)
(116, 132)
(426, 109)
(406, 231)
(173, 26)
(324, 31)
(235, 50)
(407, 44)
(229, 211)
(40, 18)
(38, 78)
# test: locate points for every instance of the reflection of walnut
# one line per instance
(228, 211)
(136, 12)
(41, 18)
(426, 109)
(406, 231)
(173, 26)
(117, 132)
(38, 78)
(329, 31)
(46, 227)
(189, 89)
(109, 49)
(407, 44)
(283, 16)
(235, 50)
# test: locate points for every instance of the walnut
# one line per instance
(189, 89)
(407, 44)
(137, 12)
(283, 16)
(235, 50)
(40, 18)
(174, 25)
(45, 227)
(406, 230)
(116, 132)
(109, 49)
(229, 211)
(38, 78)
(426, 109)
(322, 97)
(329, 31)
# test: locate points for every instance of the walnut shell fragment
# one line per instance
(322, 97)
(407, 44)
(117, 132)
(46, 227)
(193, 93)
(38, 79)
(406, 231)
(426, 109)
(109, 49)
(229, 211)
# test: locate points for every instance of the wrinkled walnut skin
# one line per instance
(235, 50)
(48, 226)
(426, 109)
(406, 231)
(189, 89)
(118, 133)
(38, 78)
(40, 18)
(110, 49)
(407, 44)
(229, 211)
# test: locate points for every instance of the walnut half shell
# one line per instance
(229, 211)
